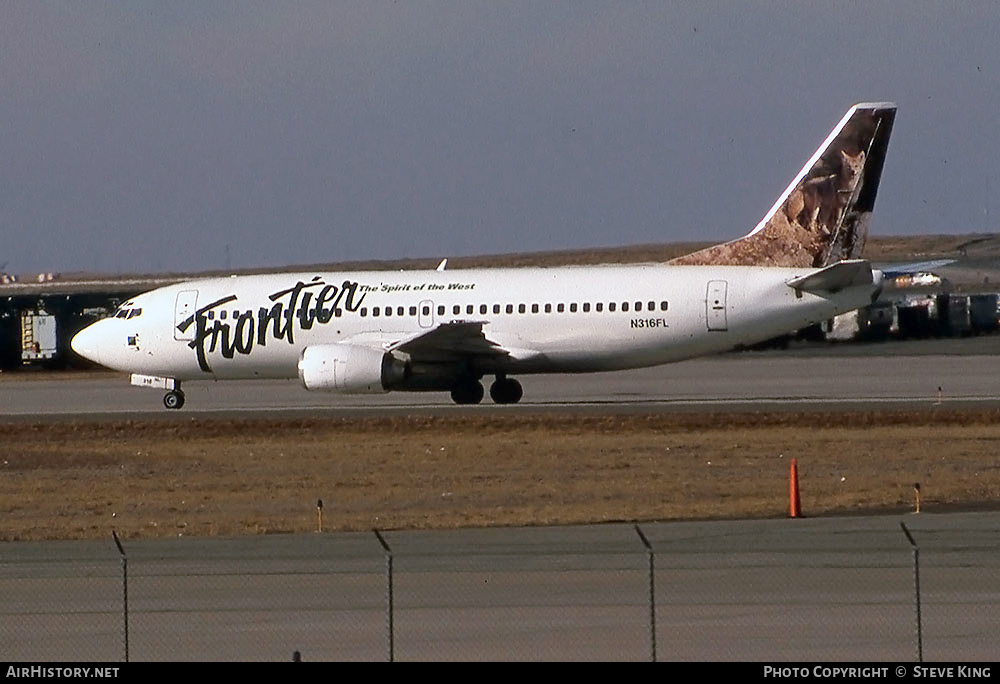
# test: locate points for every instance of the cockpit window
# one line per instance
(127, 313)
(134, 312)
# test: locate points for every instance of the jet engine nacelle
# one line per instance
(349, 368)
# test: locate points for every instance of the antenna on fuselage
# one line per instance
(444, 262)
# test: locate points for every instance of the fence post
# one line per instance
(121, 551)
(388, 606)
(652, 594)
(916, 590)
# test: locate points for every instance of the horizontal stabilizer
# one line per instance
(834, 278)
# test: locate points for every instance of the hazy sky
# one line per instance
(161, 136)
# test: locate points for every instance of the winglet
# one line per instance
(822, 216)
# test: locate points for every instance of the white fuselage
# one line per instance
(547, 320)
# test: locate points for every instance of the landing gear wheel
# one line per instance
(470, 392)
(506, 391)
(173, 399)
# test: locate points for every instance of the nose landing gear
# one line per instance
(174, 399)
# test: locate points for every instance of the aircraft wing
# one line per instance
(449, 341)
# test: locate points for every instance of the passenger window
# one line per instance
(441, 310)
(482, 309)
(496, 308)
(663, 306)
(548, 308)
(510, 308)
(375, 311)
(426, 310)
(652, 306)
(211, 315)
(222, 315)
(413, 311)
(455, 310)
(520, 308)
(572, 307)
(400, 311)
(586, 307)
(364, 311)
(388, 311)
(624, 306)
(599, 306)
(560, 307)
(611, 306)
(534, 308)
(470, 309)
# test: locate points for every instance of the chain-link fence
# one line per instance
(802, 590)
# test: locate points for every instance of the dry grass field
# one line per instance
(76, 480)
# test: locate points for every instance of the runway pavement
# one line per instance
(838, 589)
(830, 378)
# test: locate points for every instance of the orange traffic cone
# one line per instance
(794, 506)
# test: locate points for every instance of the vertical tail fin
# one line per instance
(822, 217)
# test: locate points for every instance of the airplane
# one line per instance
(445, 330)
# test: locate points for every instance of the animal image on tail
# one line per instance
(822, 217)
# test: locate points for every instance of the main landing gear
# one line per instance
(467, 391)
(504, 390)
(174, 399)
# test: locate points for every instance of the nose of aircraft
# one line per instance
(87, 342)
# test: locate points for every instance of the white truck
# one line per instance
(38, 336)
